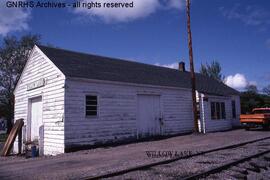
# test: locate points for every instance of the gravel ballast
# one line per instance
(199, 164)
(99, 161)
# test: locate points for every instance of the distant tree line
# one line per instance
(250, 98)
(266, 90)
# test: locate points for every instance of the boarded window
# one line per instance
(233, 109)
(91, 103)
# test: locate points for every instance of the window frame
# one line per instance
(218, 110)
(223, 110)
(233, 103)
(97, 114)
(213, 110)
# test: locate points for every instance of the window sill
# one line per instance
(91, 117)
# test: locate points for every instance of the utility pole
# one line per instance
(192, 72)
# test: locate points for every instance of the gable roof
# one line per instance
(81, 65)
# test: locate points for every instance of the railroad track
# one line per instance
(229, 165)
(177, 161)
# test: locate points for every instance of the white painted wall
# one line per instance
(222, 124)
(63, 102)
(236, 121)
(149, 117)
(117, 119)
(37, 67)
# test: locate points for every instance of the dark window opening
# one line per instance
(91, 106)
(218, 110)
(223, 111)
(233, 109)
(213, 110)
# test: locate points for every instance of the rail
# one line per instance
(145, 166)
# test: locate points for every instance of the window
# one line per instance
(233, 109)
(91, 105)
(218, 110)
(223, 111)
(213, 110)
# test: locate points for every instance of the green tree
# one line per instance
(252, 89)
(251, 99)
(212, 70)
(14, 53)
(266, 90)
(1, 111)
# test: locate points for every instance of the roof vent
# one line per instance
(181, 66)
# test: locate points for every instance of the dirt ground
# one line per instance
(98, 161)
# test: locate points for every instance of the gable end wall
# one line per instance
(38, 67)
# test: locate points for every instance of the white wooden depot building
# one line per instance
(69, 99)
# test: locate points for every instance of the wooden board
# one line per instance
(12, 136)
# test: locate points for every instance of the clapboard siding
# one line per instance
(38, 67)
(223, 124)
(177, 111)
(236, 121)
(118, 110)
(63, 103)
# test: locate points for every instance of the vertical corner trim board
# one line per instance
(12, 136)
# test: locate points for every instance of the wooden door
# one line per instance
(148, 115)
(36, 118)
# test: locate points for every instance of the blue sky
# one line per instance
(234, 32)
